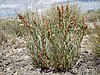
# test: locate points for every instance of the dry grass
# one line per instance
(93, 16)
(94, 37)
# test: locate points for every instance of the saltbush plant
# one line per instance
(55, 37)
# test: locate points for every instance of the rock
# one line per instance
(26, 57)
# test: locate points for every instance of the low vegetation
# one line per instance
(55, 37)
(92, 15)
(94, 37)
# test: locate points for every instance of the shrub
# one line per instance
(93, 15)
(9, 26)
(55, 37)
(94, 37)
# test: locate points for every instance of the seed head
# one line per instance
(59, 13)
(45, 24)
(62, 9)
(20, 16)
(48, 33)
(67, 10)
(84, 27)
(83, 19)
